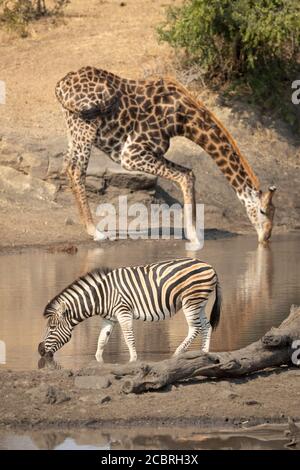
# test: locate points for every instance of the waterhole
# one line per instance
(259, 284)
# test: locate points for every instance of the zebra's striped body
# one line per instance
(150, 293)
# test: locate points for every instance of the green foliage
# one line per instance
(249, 45)
(15, 15)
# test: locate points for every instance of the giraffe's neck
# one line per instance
(205, 129)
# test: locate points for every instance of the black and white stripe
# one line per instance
(152, 292)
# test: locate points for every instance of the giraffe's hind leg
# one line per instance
(136, 158)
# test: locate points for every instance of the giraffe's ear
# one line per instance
(270, 193)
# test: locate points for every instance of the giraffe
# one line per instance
(132, 121)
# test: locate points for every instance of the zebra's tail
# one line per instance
(216, 310)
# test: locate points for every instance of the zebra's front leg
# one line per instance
(106, 330)
(125, 320)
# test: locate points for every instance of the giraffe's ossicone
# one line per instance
(132, 121)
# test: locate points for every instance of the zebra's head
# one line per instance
(59, 328)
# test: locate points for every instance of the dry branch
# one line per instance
(274, 349)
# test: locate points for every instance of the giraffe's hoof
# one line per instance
(193, 245)
(99, 236)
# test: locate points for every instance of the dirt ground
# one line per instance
(122, 39)
(45, 398)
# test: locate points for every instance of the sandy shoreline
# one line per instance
(53, 398)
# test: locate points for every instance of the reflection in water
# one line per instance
(259, 284)
(147, 439)
(252, 298)
(48, 363)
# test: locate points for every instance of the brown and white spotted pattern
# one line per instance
(133, 122)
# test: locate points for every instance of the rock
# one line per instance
(55, 396)
(15, 183)
(232, 396)
(9, 153)
(92, 382)
(55, 166)
(69, 221)
(129, 179)
(96, 172)
(34, 164)
(69, 249)
(95, 184)
(105, 399)
(252, 402)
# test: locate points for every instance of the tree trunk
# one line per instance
(274, 349)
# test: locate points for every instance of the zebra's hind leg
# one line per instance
(192, 318)
(107, 327)
(206, 330)
(125, 321)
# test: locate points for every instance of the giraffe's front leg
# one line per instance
(77, 160)
(106, 330)
(187, 184)
(81, 137)
(125, 321)
(77, 182)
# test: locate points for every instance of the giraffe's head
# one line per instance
(260, 210)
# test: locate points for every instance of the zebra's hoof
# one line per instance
(99, 358)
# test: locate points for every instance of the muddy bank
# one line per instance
(35, 205)
(38, 209)
(66, 398)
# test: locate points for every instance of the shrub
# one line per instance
(239, 42)
(15, 15)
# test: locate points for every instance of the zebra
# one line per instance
(151, 292)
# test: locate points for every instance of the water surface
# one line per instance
(261, 438)
(259, 285)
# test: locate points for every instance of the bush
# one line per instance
(239, 42)
(15, 15)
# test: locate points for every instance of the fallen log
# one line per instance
(274, 349)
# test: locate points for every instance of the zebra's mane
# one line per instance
(55, 306)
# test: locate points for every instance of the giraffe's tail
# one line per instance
(216, 310)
